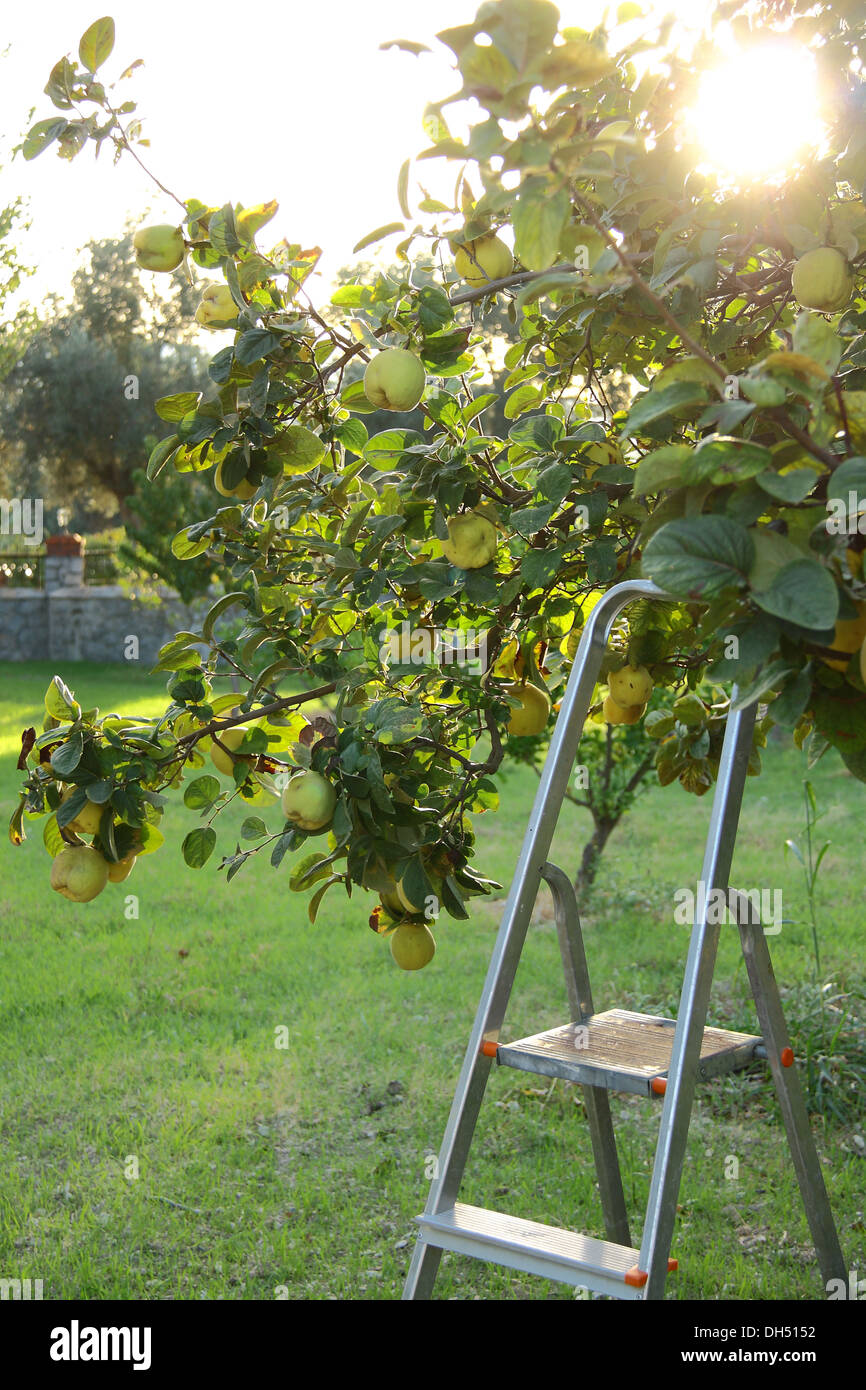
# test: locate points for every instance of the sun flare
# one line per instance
(759, 112)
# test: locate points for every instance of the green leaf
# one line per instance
(66, 758)
(201, 793)
(253, 828)
(71, 807)
(354, 397)
(803, 592)
(839, 720)
(525, 398)
(541, 432)
(815, 337)
(60, 83)
(150, 837)
(787, 709)
(659, 723)
(379, 235)
(403, 181)
(481, 403)
(849, 477)
(251, 220)
(309, 870)
(298, 449)
(533, 290)
(539, 567)
(434, 309)
(486, 70)
(654, 404)
(177, 407)
(160, 456)
(407, 46)
(661, 468)
(352, 434)
(539, 219)
(222, 604)
(177, 656)
(726, 460)
(757, 640)
(198, 846)
(787, 487)
(316, 899)
(41, 135)
(223, 232)
(182, 548)
(52, 838)
(384, 450)
(60, 702)
(255, 344)
(96, 43)
(699, 558)
(772, 553)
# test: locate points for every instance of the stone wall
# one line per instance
(87, 623)
(71, 621)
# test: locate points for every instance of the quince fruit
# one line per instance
(601, 451)
(822, 280)
(621, 714)
(412, 945)
(471, 542)
(88, 818)
(79, 873)
(216, 309)
(532, 713)
(484, 259)
(848, 636)
(395, 380)
(122, 869)
(244, 489)
(632, 685)
(158, 248)
(232, 738)
(309, 800)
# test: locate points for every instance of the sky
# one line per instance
(297, 103)
(293, 102)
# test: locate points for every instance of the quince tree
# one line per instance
(675, 408)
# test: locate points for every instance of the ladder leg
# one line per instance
(694, 1000)
(596, 1101)
(515, 918)
(474, 1074)
(791, 1099)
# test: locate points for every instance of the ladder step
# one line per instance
(622, 1051)
(549, 1251)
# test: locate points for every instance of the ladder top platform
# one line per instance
(623, 1051)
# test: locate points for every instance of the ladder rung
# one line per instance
(623, 1051)
(549, 1251)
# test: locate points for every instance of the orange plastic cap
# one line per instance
(489, 1049)
(658, 1085)
(787, 1057)
(638, 1277)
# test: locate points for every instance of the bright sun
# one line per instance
(759, 111)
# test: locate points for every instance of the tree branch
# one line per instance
(644, 288)
(219, 725)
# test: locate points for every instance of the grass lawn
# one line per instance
(148, 1047)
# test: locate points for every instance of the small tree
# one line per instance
(78, 403)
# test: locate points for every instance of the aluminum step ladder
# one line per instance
(617, 1050)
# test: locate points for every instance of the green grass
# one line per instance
(263, 1168)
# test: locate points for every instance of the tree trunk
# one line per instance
(592, 852)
